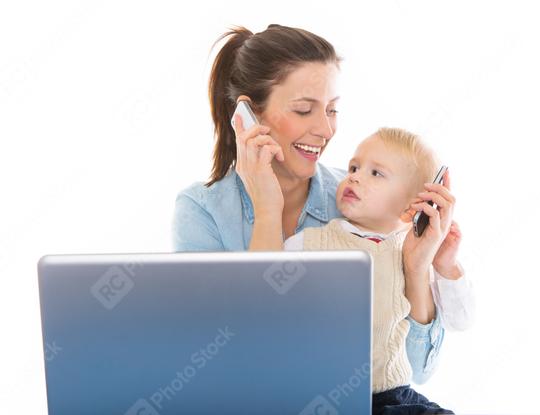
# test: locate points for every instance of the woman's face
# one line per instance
(301, 113)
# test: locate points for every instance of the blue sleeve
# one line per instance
(194, 229)
(424, 342)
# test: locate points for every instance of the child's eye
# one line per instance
(377, 172)
(353, 169)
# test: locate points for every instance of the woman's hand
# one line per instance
(255, 151)
(420, 252)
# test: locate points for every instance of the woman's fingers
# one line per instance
(268, 152)
(254, 147)
(259, 141)
(252, 133)
(240, 149)
(238, 125)
(243, 137)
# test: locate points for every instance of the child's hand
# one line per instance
(445, 261)
(420, 252)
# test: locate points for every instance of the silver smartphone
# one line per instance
(245, 111)
(420, 219)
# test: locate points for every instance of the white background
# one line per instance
(104, 118)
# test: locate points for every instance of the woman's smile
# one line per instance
(311, 153)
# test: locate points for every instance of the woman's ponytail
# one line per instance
(222, 101)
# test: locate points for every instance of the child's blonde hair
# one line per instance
(421, 159)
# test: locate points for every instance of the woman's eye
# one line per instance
(333, 112)
(303, 112)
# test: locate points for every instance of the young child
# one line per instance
(385, 175)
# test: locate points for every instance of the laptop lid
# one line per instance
(207, 333)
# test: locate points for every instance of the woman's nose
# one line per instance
(324, 127)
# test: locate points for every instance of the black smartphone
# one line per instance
(420, 219)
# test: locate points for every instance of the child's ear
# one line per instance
(408, 214)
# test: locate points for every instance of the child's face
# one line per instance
(377, 189)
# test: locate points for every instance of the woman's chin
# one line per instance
(306, 173)
(299, 171)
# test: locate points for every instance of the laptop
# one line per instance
(207, 333)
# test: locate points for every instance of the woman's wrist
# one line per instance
(267, 233)
(268, 215)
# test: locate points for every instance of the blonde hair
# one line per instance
(422, 161)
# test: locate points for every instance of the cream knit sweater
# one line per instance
(390, 366)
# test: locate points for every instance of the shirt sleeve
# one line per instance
(423, 345)
(294, 242)
(455, 301)
(194, 228)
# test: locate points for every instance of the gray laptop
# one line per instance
(207, 333)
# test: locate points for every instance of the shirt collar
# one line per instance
(355, 229)
(316, 203)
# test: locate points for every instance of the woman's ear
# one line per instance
(243, 98)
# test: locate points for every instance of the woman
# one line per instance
(267, 179)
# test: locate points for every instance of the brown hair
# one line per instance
(251, 64)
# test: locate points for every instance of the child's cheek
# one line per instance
(370, 192)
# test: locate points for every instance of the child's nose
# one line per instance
(353, 178)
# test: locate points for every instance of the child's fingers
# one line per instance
(454, 229)
(435, 198)
(434, 217)
(442, 190)
(409, 213)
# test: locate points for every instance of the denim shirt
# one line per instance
(220, 218)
